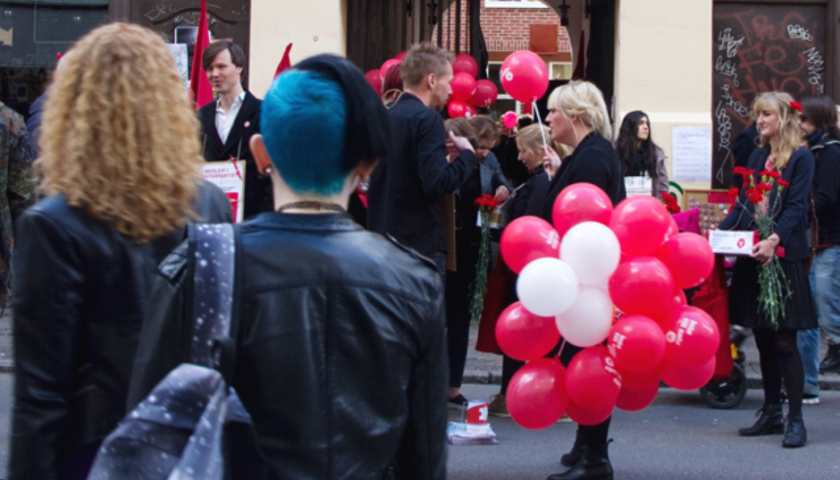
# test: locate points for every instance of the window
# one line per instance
(514, 4)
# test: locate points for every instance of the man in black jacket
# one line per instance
(405, 192)
(229, 122)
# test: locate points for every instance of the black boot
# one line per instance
(572, 458)
(595, 465)
(770, 422)
(831, 362)
(796, 436)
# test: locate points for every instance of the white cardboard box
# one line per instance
(732, 242)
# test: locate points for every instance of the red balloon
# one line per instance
(525, 336)
(641, 224)
(388, 64)
(526, 239)
(509, 119)
(375, 80)
(463, 87)
(458, 109)
(588, 416)
(401, 55)
(642, 285)
(693, 337)
(642, 380)
(485, 93)
(578, 203)
(673, 228)
(637, 343)
(465, 63)
(536, 396)
(524, 76)
(689, 378)
(592, 379)
(689, 257)
(635, 400)
(676, 302)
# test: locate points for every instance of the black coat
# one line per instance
(80, 292)
(825, 192)
(530, 197)
(791, 222)
(405, 191)
(258, 190)
(593, 161)
(340, 348)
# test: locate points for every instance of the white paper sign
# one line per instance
(731, 242)
(640, 185)
(179, 53)
(692, 152)
(230, 178)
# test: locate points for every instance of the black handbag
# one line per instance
(193, 425)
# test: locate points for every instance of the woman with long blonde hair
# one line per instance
(119, 168)
(782, 149)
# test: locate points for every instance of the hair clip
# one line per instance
(796, 106)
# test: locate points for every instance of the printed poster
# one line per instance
(230, 178)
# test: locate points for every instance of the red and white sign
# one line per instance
(732, 242)
(230, 178)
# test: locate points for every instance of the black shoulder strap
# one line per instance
(212, 293)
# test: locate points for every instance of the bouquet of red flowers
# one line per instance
(486, 204)
(774, 287)
(670, 202)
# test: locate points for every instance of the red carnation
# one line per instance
(733, 192)
(763, 187)
(796, 106)
(775, 175)
(749, 172)
(739, 170)
(783, 183)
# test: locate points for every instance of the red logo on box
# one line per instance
(741, 243)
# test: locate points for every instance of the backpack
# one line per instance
(193, 425)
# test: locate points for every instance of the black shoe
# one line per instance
(831, 362)
(458, 402)
(595, 465)
(576, 455)
(796, 436)
(769, 423)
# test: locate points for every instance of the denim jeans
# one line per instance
(826, 289)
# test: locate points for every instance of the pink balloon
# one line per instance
(592, 379)
(525, 336)
(641, 224)
(388, 64)
(458, 109)
(463, 87)
(526, 239)
(642, 380)
(689, 378)
(689, 257)
(642, 285)
(524, 76)
(635, 400)
(401, 55)
(693, 337)
(510, 120)
(580, 202)
(637, 343)
(465, 63)
(588, 416)
(485, 94)
(375, 80)
(673, 228)
(536, 396)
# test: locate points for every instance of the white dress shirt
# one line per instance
(224, 121)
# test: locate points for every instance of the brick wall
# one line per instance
(505, 29)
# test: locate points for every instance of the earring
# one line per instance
(267, 171)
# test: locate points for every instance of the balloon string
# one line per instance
(539, 122)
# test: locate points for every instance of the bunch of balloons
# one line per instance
(467, 92)
(608, 280)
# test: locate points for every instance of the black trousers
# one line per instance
(459, 290)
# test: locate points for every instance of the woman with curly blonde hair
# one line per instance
(782, 149)
(119, 167)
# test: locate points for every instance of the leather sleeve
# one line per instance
(212, 205)
(422, 453)
(49, 285)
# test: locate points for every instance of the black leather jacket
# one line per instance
(340, 348)
(80, 293)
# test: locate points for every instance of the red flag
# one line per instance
(580, 68)
(285, 63)
(200, 87)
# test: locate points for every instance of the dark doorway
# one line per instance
(601, 52)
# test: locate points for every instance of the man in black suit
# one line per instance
(228, 123)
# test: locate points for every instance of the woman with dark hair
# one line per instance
(818, 122)
(340, 354)
(639, 155)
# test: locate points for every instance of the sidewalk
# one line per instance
(486, 368)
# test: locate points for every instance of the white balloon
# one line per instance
(547, 287)
(592, 250)
(589, 320)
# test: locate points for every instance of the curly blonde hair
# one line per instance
(790, 135)
(120, 138)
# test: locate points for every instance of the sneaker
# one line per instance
(565, 419)
(498, 406)
(807, 398)
(459, 402)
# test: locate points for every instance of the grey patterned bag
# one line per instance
(192, 425)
